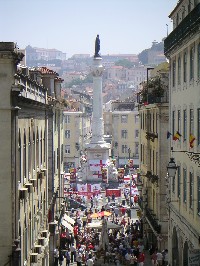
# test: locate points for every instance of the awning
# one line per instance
(69, 219)
(67, 225)
(99, 225)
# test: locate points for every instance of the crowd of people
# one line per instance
(125, 244)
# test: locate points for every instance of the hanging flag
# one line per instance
(168, 134)
(191, 139)
(177, 136)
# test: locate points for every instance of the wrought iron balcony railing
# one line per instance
(188, 25)
(153, 221)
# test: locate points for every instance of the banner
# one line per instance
(97, 165)
(72, 172)
(120, 175)
(82, 187)
(116, 192)
(96, 188)
(104, 175)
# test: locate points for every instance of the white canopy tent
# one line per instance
(99, 225)
(69, 219)
(67, 225)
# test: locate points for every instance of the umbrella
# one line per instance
(104, 213)
(99, 224)
(94, 215)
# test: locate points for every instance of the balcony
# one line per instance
(152, 220)
(148, 98)
(151, 136)
(188, 25)
(151, 177)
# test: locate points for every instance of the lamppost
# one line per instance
(171, 170)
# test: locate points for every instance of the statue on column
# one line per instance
(97, 46)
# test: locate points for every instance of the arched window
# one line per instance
(198, 60)
(179, 70)
(192, 63)
(20, 155)
(37, 148)
(24, 155)
(29, 151)
(185, 67)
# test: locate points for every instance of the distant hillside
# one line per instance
(156, 47)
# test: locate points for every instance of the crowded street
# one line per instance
(106, 232)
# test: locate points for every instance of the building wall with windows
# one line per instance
(182, 47)
(125, 135)
(76, 133)
(23, 171)
(153, 162)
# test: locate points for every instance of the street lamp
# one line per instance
(171, 168)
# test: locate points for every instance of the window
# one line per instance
(185, 67)
(198, 61)
(67, 149)
(191, 190)
(173, 122)
(184, 125)
(191, 121)
(184, 185)
(179, 70)
(67, 134)
(124, 149)
(179, 121)
(198, 126)
(177, 19)
(124, 134)
(178, 182)
(124, 118)
(67, 119)
(141, 153)
(137, 133)
(198, 195)
(192, 63)
(173, 184)
(136, 118)
(174, 73)
(136, 148)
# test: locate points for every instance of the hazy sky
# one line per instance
(124, 26)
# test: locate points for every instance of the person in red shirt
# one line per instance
(141, 259)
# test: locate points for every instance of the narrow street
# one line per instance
(133, 217)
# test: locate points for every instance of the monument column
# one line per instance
(97, 118)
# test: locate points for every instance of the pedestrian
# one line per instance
(79, 259)
(165, 257)
(159, 258)
(90, 261)
(73, 253)
(56, 256)
(67, 256)
(61, 257)
(154, 258)
(141, 259)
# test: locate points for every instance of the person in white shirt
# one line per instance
(128, 257)
(90, 261)
(159, 258)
